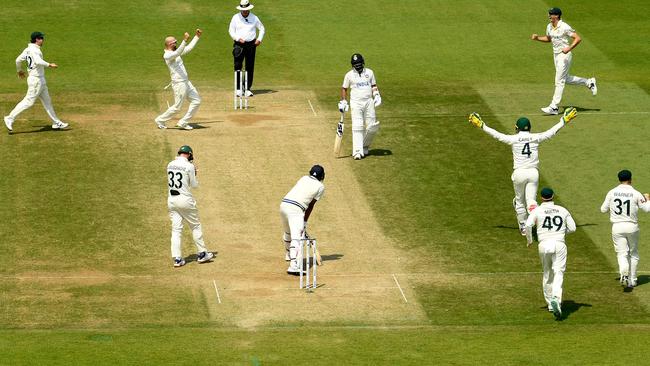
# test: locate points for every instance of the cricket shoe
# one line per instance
(248, 93)
(204, 257)
(631, 283)
(294, 270)
(522, 228)
(59, 125)
(184, 126)
(179, 262)
(9, 123)
(238, 93)
(357, 156)
(550, 110)
(160, 125)
(624, 280)
(557, 309)
(592, 86)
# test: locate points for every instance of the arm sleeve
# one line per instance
(38, 60)
(605, 206)
(644, 204)
(177, 53)
(261, 28)
(320, 193)
(530, 222)
(550, 132)
(19, 61)
(346, 82)
(373, 81)
(190, 46)
(508, 139)
(232, 29)
(194, 183)
(570, 224)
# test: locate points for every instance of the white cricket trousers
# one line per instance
(625, 236)
(293, 222)
(562, 65)
(182, 90)
(184, 208)
(525, 182)
(36, 88)
(361, 111)
(553, 256)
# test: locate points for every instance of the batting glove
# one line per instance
(377, 99)
(476, 120)
(343, 106)
(569, 114)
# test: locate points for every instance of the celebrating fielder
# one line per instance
(564, 39)
(553, 223)
(623, 203)
(295, 209)
(36, 85)
(180, 83)
(364, 97)
(525, 146)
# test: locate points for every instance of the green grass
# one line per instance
(75, 202)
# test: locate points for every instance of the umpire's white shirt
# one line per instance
(244, 28)
(307, 189)
(175, 62)
(552, 221)
(181, 176)
(360, 84)
(525, 145)
(623, 203)
(34, 58)
(560, 35)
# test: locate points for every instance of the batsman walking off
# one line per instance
(623, 203)
(181, 177)
(181, 85)
(564, 39)
(295, 209)
(553, 223)
(36, 84)
(525, 156)
(364, 97)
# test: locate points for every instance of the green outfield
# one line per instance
(424, 263)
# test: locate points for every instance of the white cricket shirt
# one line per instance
(525, 145)
(175, 62)
(552, 222)
(33, 56)
(181, 176)
(307, 189)
(360, 84)
(623, 203)
(244, 28)
(560, 35)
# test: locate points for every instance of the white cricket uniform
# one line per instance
(292, 212)
(36, 85)
(181, 177)
(553, 223)
(245, 28)
(525, 156)
(560, 38)
(181, 84)
(362, 107)
(623, 203)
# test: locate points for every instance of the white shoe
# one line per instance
(623, 280)
(238, 93)
(293, 270)
(522, 228)
(9, 123)
(179, 262)
(631, 283)
(592, 86)
(160, 125)
(248, 93)
(204, 257)
(59, 125)
(184, 126)
(557, 309)
(357, 156)
(550, 110)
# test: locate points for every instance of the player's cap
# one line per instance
(317, 172)
(245, 5)
(37, 35)
(523, 124)
(185, 149)
(624, 175)
(547, 194)
(555, 11)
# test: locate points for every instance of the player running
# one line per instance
(525, 145)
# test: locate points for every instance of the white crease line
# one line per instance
(312, 108)
(217, 291)
(519, 114)
(400, 288)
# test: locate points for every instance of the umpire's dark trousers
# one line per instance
(248, 54)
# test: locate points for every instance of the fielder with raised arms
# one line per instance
(295, 209)
(623, 203)
(180, 83)
(364, 97)
(525, 146)
(553, 223)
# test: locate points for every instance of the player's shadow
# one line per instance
(264, 91)
(198, 126)
(581, 109)
(569, 307)
(194, 257)
(331, 257)
(379, 152)
(642, 280)
(42, 129)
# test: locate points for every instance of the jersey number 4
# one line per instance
(549, 223)
(619, 206)
(526, 150)
(175, 180)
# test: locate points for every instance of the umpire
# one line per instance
(242, 31)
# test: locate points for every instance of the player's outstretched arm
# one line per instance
(536, 37)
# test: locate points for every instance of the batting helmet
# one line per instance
(555, 11)
(186, 149)
(357, 62)
(317, 172)
(523, 124)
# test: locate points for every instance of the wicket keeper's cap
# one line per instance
(523, 124)
(624, 175)
(245, 5)
(185, 149)
(317, 172)
(37, 35)
(555, 11)
(547, 194)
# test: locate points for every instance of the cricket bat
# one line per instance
(339, 137)
(319, 259)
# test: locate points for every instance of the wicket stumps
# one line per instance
(308, 248)
(241, 99)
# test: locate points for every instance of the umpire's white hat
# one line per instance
(245, 5)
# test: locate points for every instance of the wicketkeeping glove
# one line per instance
(343, 106)
(476, 120)
(569, 114)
